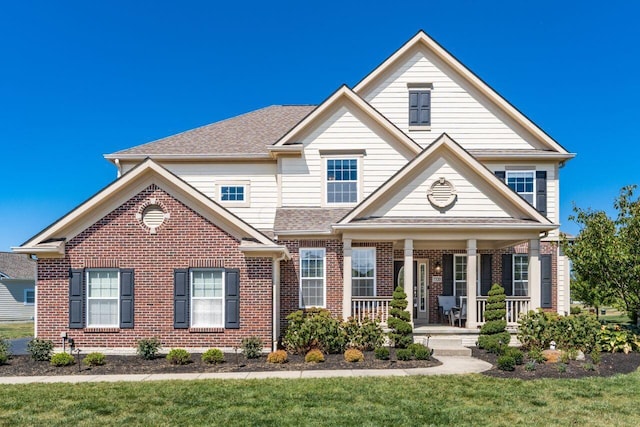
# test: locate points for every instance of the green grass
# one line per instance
(472, 400)
(16, 330)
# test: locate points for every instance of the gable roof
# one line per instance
(17, 266)
(421, 39)
(447, 144)
(242, 136)
(306, 220)
(51, 240)
(345, 94)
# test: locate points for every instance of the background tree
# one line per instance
(592, 296)
(606, 252)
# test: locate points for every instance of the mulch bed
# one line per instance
(115, 365)
(611, 364)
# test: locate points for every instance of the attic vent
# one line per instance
(153, 217)
(442, 193)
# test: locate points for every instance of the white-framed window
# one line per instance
(312, 277)
(232, 193)
(207, 298)
(363, 272)
(523, 183)
(342, 180)
(29, 296)
(103, 297)
(520, 275)
(460, 275)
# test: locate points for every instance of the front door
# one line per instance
(420, 286)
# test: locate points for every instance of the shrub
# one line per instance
(493, 335)
(5, 350)
(94, 359)
(353, 355)
(572, 353)
(589, 367)
(530, 366)
(364, 335)
(564, 357)
(539, 328)
(516, 353)
(506, 363)
(494, 343)
(251, 347)
(62, 359)
(614, 338)
(179, 356)
(278, 356)
(40, 350)
(314, 356)
(403, 354)
(148, 348)
(213, 356)
(420, 351)
(536, 355)
(313, 328)
(381, 353)
(575, 309)
(562, 367)
(401, 331)
(596, 357)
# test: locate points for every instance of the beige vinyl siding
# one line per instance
(261, 177)
(411, 200)
(12, 306)
(456, 108)
(303, 178)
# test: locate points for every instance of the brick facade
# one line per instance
(184, 240)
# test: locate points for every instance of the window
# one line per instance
(460, 275)
(103, 295)
(342, 180)
(312, 273)
(207, 298)
(523, 183)
(520, 275)
(363, 272)
(232, 193)
(29, 296)
(419, 108)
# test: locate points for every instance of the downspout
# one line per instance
(275, 280)
(117, 162)
(35, 303)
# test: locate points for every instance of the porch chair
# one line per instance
(458, 314)
(445, 304)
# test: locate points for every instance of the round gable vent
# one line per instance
(442, 193)
(153, 216)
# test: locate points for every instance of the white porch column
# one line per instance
(408, 275)
(534, 274)
(276, 301)
(472, 279)
(346, 278)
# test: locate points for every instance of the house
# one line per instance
(421, 175)
(17, 287)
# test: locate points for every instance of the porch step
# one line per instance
(444, 346)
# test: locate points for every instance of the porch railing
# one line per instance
(371, 308)
(515, 307)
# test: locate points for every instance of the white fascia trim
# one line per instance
(522, 156)
(245, 157)
(464, 226)
(273, 251)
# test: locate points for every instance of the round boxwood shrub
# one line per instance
(252, 347)
(420, 351)
(516, 353)
(213, 356)
(62, 359)
(40, 350)
(381, 353)
(94, 359)
(506, 363)
(179, 356)
(353, 355)
(314, 356)
(404, 354)
(148, 348)
(278, 356)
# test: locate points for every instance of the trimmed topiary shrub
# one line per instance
(401, 331)
(314, 356)
(213, 356)
(40, 350)
(252, 347)
(148, 348)
(403, 354)
(62, 359)
(493, 335)
(506, 363)
(179, 356)
(353, 355)
(278, 356)
(420, 351)
(94, 359)
(314, 328)
(381, 353)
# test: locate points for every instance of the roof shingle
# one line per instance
(17, 266)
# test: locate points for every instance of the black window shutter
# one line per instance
(414, 110)
(507, 273)
(76, 299)
(181, 298)
(232, 299)
(541, 192)
(486, 268)
(546, 299)
(126, 298)
(501, 175)
(447, 274)
(424, 102)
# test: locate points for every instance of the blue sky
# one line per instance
(80, 79)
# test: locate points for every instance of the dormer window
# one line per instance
(420, 106)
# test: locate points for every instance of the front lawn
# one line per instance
(12, 330)
(444, 400)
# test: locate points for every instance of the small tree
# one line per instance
(401, 331)
(493, 334)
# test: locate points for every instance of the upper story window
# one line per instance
(419, 108)
(232, 193)
(103, 295)
(523, 183)
(342, 180)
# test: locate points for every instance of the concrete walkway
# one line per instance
(450, 365)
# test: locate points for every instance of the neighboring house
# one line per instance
(421, 174)
(17, 287)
